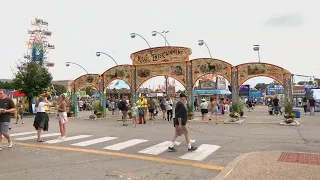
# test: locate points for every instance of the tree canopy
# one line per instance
(32, 79)
(60, 89)
(6, 85)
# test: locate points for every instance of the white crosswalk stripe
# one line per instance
(126, 144)
(94, 141)
(158, 148)
(201, 153)
(67, 139)
(24, 133)
(35, 137)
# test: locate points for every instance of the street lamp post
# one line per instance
(99, 53)
(68, 64)
(133, 35)
(201, 43)
(257, 48)
(154, 33)
(75, 98)
(165, 35)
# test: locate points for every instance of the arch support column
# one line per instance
(103, 99)
(235, 85)
(134, 97)
(288, 94)
(189, 84)
(75, 101)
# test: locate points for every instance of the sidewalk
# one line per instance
(273, 166)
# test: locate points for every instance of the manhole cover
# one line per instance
(301, 158)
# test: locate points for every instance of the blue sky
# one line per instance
(287, 31)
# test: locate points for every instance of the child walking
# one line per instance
(135, 114)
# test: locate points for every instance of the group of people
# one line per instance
(309, 104)
(212, 107)
(41, 120)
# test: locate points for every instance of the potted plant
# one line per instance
(190, 112)
(70, 112)
(235, 111)
(97, 109)
(241, 107)
(288, 113)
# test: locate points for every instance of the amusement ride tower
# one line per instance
(38, 46)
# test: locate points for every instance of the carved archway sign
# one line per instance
(203, 66)
(121, 72)
(86, 81)
(161, 61)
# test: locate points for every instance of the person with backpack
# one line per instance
(124, 107)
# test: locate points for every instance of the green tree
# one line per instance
(6, 85)
(60, 89)
(261, 86)
(89, 91)
(181, 91)
(302, 82)
(32, 79)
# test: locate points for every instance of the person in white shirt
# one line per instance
(41, 121)
(169, 105)
(204, 109)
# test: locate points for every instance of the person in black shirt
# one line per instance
(312, 104)
(124, 107)
(7, 107)
(179, 123)
(276, 106)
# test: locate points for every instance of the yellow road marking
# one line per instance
(134, 156)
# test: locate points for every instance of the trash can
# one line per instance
(297, 112)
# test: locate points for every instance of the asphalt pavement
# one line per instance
(104, 149)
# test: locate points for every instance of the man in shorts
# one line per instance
(179, 123)
(6, 108)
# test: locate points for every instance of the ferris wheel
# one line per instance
(38, 45)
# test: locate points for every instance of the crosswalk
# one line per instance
(203, 151)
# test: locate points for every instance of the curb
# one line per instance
(228, 169)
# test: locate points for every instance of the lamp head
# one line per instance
(200, 42)
(154, 33)
(67, 64)
(256, 47)
(97, 54)
(133, 35)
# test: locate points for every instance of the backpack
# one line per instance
(121, 105)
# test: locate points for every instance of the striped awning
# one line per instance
(212, 91)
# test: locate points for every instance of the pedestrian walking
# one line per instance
(169, 109)
(204, 110)
(180, 122)
(135, 114)
(7, 107)
(143, 105)
(124, 107)
(41, 121)
(312, 104)
(20, 112)
(213, 108)
(62, 114)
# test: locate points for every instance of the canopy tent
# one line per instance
(212, 91)
(96, 95)
(120, 84)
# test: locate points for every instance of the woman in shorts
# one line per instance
(214, 108)
(63, 118)
(204, 109)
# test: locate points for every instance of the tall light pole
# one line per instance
(99, 53)
(133, 35)
(154, 33)
(257, 48)
(165, 35)
(201, 43)
(68, 64)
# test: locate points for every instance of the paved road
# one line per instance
(103, 149)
